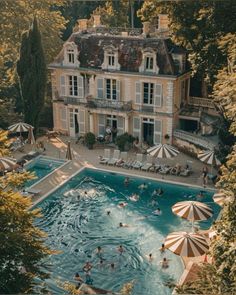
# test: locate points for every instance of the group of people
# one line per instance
(88, 266)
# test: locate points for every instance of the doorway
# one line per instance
(148, 130)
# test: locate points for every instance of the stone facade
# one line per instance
(128, 83)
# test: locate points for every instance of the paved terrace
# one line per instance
(84, 157)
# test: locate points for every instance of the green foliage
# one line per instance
(31, 69)
(22, 244)
(124, 141)
(89, 139)
(199, 27)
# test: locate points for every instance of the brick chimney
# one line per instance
(96, 20)
(163, 22)
(83, 24)
(146, 28)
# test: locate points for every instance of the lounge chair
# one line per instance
(155, 168)
(106, 158)
(164, 170)
(139, 162)
(148, 164)
(122, 160)
(128, 164)
(115, 158)
(185, 172)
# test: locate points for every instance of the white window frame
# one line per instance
(149, 93)
(148, 53)
(110, 52)
(149, 63)
(72, 91)
(71, 50)
(111, 89)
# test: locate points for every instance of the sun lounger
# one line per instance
(115, 158)
(139, 161)
(107, 156)
(164, 170)
(122, 160)
(148, 164)
(186, 172)
(128, 164)
(155, 168)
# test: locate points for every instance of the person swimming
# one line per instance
(123, 225)
(126, 181)
(150, 257)
(143, 186)
(122, 204)
(112, 266)
(120, 249)
(154, 202)
(160, 192)
(134, 197)
(108, 212)
(79, 280)
(157, 212)
(162, 249)
(87, 267)
(99, 250)
(165, 263)
(200, 195)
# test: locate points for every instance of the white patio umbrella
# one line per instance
(163, 151)
(221, 198)
(20, 127)
(7, 164)
(192, 211)
(186, 244)
(69, 151)
(31, 139)
(209, 157)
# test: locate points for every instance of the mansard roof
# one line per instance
(130, 51)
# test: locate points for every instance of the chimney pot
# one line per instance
(96, 20)
(146, 28)
(83, 24)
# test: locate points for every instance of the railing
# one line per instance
(74, 100)
(109, 104)
(146, 109)
(201, 102)
(195, 139)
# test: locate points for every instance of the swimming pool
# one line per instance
(78, 227)
(42, 166)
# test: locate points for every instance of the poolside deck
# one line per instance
(83, 157)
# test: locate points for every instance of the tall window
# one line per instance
(73, 85)
(111, 59)
(148, 93)
(149, 63)
(71, 56)
(111, 92)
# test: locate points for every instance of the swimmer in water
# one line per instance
(112, 266)
(126, 181)
(143, 186)
(123, 225)
(150, 257)
(134, 198)
(87, 267)
(108, 212)
(160, 192)
(99, 250)
(164, 263)
(120, 249)
(157, 212)
(200, 195)
(122, 204)
(162, 249)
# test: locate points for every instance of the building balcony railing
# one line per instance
(123, 106)
(201, 102)
(194, 139)
(74, 100)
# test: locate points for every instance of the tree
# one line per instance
(198, 26)
(31, 69)
(22, 244)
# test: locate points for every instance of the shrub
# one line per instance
(124, 141)
(89, 139)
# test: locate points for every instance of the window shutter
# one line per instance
(101, 125)
(81, 122)
(63, 118)
(137, 92)
(120, 125)
(157, 131)
(100, 88)
(117, 90)
(136, 127)
(158, 95)
(63, 85)
(80, 86)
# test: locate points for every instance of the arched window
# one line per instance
(70, 54)
(149, 63)
(110, 58)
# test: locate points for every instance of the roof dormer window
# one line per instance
(70, 54)
(110, 58)
(149, 61)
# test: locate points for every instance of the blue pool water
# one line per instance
(42, 166)
(78, 227)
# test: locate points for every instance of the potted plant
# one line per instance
(89, 140)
